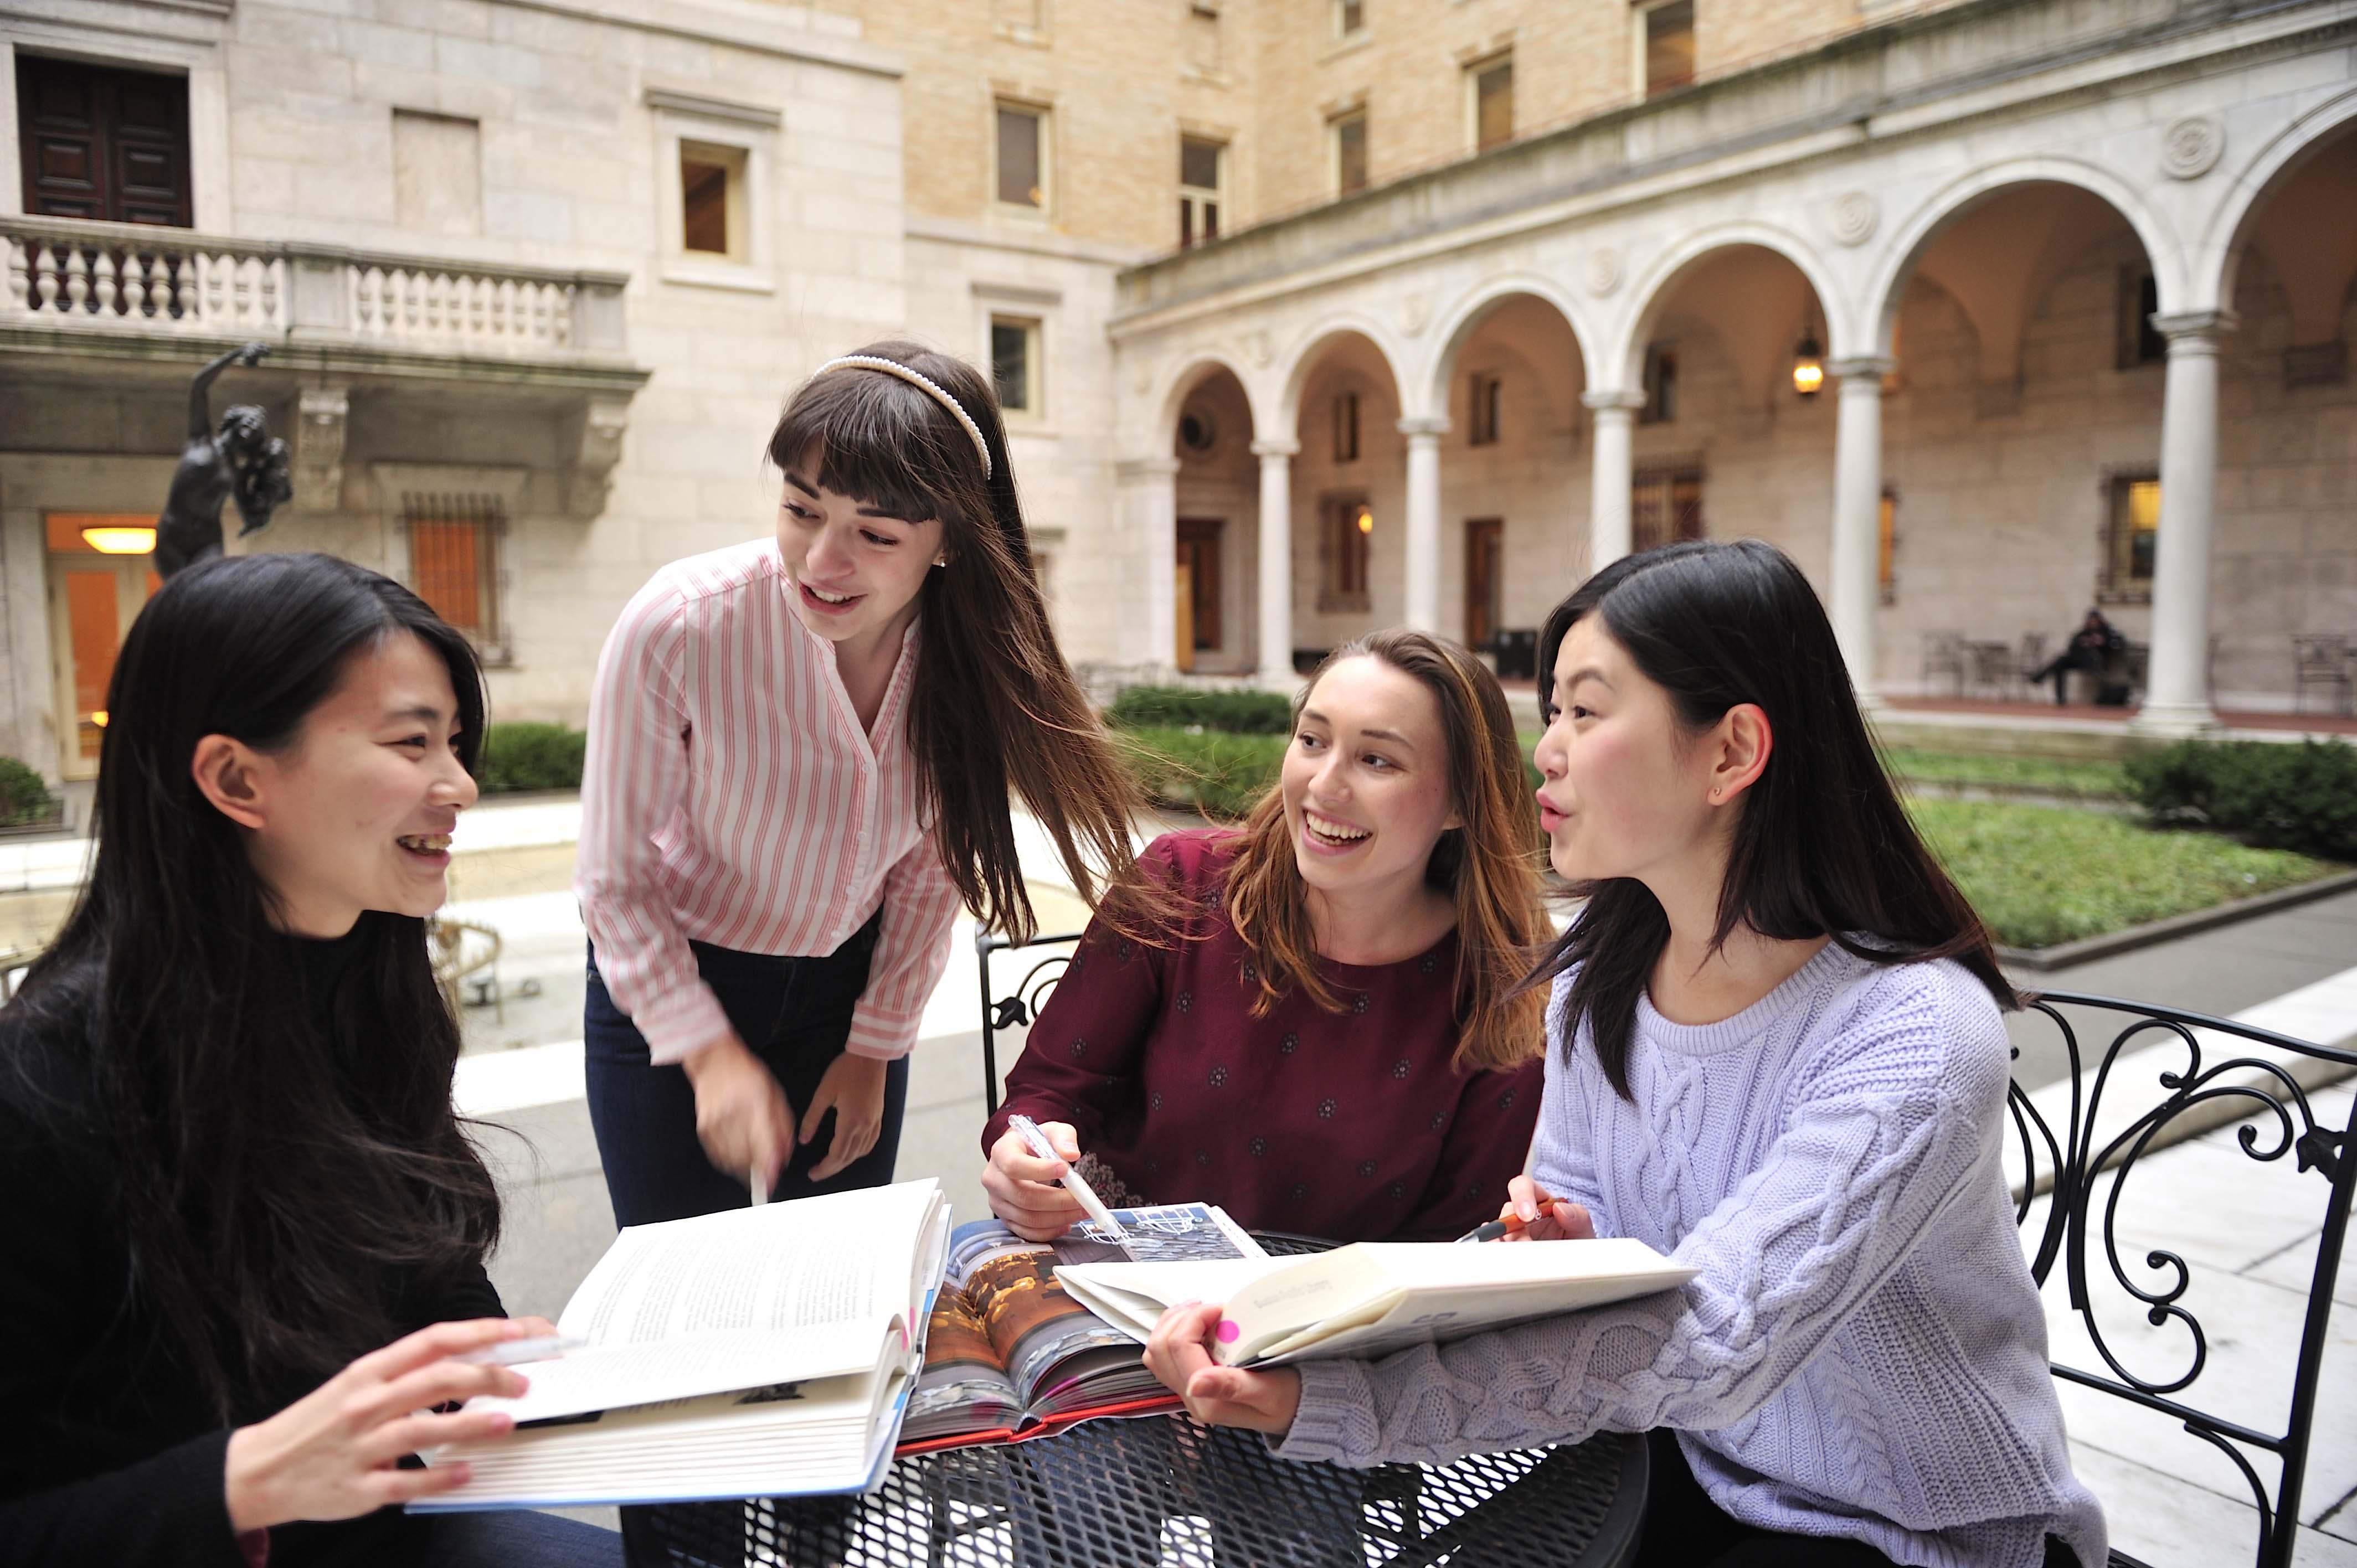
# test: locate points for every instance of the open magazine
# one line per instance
(1010, 1354)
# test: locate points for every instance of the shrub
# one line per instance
(23, 797)
(1175, 707)
(530, 756)
(1222, 775)
(2301, 797)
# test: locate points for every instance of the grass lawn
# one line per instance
(2046, 775)
(2040, 875)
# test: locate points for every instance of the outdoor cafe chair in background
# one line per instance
(2322, 661)
(1943, 660)
(2031, 660)
(2145, 1266)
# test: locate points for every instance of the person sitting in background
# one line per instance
(1307, 1020)
(229, 1167)
(2094, 647)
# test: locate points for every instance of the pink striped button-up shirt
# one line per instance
(732, 797)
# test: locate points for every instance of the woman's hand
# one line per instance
(852, 1088)
(1179, 1353)
(335, 1452)
(741, 1111)
(1544, 1217)
(1025, 1190)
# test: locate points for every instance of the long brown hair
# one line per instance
(1823, 847)
(1489, 866)
(996, 712)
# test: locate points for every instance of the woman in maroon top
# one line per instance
(1326, 1042)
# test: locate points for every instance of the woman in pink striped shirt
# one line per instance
(802, 752)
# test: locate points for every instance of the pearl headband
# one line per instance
(923, 383)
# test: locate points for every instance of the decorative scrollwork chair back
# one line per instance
(2075, 1150)
(1018, 1008)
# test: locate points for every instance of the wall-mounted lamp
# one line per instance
(1366, 520)
(1808, 366)
(118, 539)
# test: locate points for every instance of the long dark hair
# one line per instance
(1489, 867)
(264, 1189)
(1823, 847)
(996, 712)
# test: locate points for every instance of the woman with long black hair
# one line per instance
(803, 755)
(1775, 1053)
(244, 1232)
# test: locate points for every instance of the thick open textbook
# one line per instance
(756, 1352)
(1010, 1354)
(1374, 1298)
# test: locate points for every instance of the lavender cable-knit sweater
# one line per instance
(1862, 1353)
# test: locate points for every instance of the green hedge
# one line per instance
(23, 799)
(1177, 707)
(2277, 795)
(1222, 775)
(530, 756)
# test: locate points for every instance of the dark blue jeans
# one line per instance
(518, 1539)
(795, 1015)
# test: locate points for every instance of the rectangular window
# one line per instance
(1485, 544)
(1346, 428)
(1351, 153)
(1667, 56)
(1661, 385)
(712, 201)
(1023, 158)
(1492, 87)
(1346, 530)
(1664, 505)
(1015, 364)
(2140, 342)
(1350, 16)
(454, 562)
(1202, 166)
(104, 144)
(1481, 409)
(1198, 555)
(2131, 529)
(1204, 34)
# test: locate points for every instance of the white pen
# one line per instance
(760, 1184)
(508, 1352)
(1073, 1182)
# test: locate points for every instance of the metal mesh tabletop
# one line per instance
(1165, 1490)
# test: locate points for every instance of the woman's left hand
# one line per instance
(854, 1090)
(1179, 1353)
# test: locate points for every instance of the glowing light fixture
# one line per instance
(1808, 366)
(98, 717)
(1366, 520)
(119, 540)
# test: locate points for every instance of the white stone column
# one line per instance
(1150, 509)
(1276, 562)
(1609, 535)
(2176, 684)
(1855, 590)
(1422, 565)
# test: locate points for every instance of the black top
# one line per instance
(110, 1451)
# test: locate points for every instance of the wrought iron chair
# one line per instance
(1943, 660)
(2077, 1158)
(2322, 661)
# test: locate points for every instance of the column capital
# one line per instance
(2194, 328)
(1276, 448)
(1605, 401)
(1867, 368)
(1435, 426)
(1140, 470)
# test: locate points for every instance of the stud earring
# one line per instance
(940, 559)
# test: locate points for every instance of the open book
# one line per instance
(756, 1352)
(1374, 1298)
(1010, 1354)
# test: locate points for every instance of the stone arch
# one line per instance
(2219, 256)
(1459, 326)
(1302, 362)
(1192, 371)
(1887, 286)
(1624, 356)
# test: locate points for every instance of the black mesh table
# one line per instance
(1112, 1494)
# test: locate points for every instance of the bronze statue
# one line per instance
(241, 459)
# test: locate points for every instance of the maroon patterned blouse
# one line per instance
(1351, 1126)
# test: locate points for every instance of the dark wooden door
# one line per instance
(99, 143)
(1199, 548)
(1484, 541)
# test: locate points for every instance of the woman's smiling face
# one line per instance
(1365, 782)
(855, 569)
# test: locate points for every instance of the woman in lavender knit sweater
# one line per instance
(1775, 1053)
